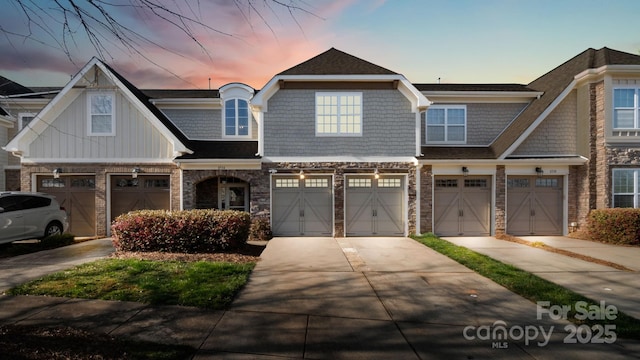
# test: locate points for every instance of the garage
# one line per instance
(374, 207)
(76, 193)
(534, 205)
(302, 207)
(462, 205)
(143, 192)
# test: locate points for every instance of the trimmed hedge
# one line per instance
(615, 226)
(260, 229)
(186, 231)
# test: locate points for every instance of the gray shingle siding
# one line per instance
(484, 121)
(197, 123)
(388, 127)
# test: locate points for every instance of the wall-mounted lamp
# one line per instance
(465, 171)
(573, 226)
(135, 171)
(301, 175)
(539, 171)
(376, 174)
(56, 173)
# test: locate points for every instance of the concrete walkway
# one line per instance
(595, 281)
(354, 298)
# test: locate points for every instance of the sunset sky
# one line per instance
(458, 41)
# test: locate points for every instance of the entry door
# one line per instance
(233, 197)
(534, 205)
(374, 206)
(302, 207)
(462, 205)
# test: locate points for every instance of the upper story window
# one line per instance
(446, 124)
(24, 119)
(236, 117)
(626, 108)
(102, 120)
(338, 114)
(626, 191)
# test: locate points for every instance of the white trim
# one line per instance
(495, 97)
(549, 170)
(635, 108)
(581, 160)
(418, 198)
(445, 125)
(6, 122)
(141, 161)
(25, 114)
(514, 146)
(217, 164)
(235, 136)
(310, 159)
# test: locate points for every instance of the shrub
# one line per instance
(186, 231)
(615, 226)
(260, 229)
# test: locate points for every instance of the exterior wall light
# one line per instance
(301, 175)
(56, 173)
(539, 171)
(376, 174)
(465, 171)
(135, 171)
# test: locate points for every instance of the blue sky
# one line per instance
(458, 41)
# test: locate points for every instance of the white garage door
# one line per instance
(462, 205)
(374, 206)
(302, 207)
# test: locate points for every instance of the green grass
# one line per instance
(526, 284)
(210, 285)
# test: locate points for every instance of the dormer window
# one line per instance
(101, 117)
(626, 108)
(236, 117)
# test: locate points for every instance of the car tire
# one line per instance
(53, 228)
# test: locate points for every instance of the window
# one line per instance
(24, 119)
(447, 124)
(625, 108)
(236, 117)
(101, 114)
(626, 188)
(338, 114)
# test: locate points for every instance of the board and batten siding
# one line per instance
(557, 134)
(135, 136)
(388, 126)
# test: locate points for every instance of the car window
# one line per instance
(32, 202)
(21, 202)
(10, 203)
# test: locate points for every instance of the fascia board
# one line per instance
(538, 120)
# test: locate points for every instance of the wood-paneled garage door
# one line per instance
(374, 206)
(150, 192)
(534, 205)
(77, 194)
(302, 207)
(462, 205)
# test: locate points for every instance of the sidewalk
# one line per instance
(320, 298)
(597, 282)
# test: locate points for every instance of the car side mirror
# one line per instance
(1, 210)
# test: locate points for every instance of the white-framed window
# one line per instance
(626, 188)
(626, 108)
(101, 119)
(338, 114)
(236, 118)
(24, 119)
(446, 124)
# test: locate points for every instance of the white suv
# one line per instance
(26, 215)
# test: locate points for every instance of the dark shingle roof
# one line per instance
(9, 87)
(336, 62)
(453, 153)
(553, 84)
(180, 93)
(472, 87)
(221, 150)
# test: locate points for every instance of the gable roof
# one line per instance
(10, 87)
(556, 84)
(336, 62)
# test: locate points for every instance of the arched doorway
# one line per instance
(223, 193)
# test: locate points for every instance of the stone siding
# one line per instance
(426, 200)
(501, 200)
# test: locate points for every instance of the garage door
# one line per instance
(374, 206)
(534, 205)
(302, 207)
(144, 192)
(76, 194)
(462, 205)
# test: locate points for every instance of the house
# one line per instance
(338, 146)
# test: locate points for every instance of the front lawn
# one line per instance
(204, 284)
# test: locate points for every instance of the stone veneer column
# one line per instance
(599, 171)
(426, 199)
(501, 203)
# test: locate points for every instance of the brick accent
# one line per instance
(12, 179)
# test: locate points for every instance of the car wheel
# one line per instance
(54, 228)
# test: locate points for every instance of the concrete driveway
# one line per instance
(380, 298)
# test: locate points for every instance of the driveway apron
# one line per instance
(380, 298)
